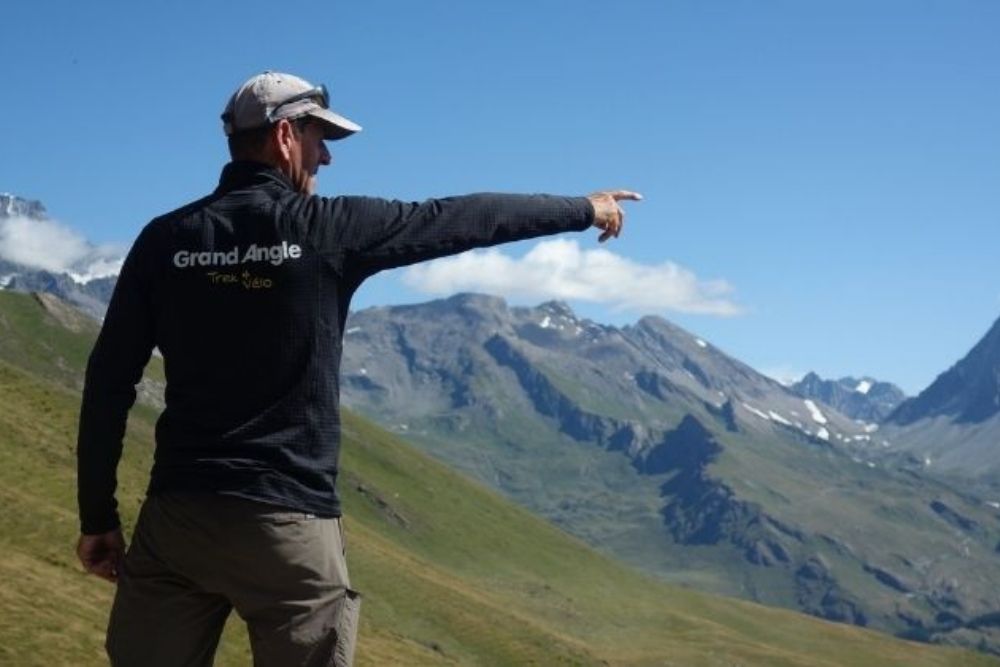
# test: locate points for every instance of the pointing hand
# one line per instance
(608, 215)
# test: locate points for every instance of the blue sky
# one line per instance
(820, 178)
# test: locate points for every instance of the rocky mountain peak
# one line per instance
(667, 335)
(968, 392)
(865, 398)
(87, 282)
(14, 206)
(477, 301)
(654, 323)
(472, 308)
(557, 308)
(810, 379)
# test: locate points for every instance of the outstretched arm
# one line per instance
(377, 234)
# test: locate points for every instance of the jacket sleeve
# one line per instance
(115, 367)
(376, 234)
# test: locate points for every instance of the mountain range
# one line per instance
(657, 447)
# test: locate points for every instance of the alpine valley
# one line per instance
(842, 499)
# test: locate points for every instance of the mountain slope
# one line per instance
(658, 448)
(452, 574)
(968, 392)
(954, 424)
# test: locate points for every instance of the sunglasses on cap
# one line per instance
(319, 93)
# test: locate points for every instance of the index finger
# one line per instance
(618, 195)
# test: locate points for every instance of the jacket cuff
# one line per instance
(588, 214)
(99, 525)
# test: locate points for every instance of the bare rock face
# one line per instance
(64, 313)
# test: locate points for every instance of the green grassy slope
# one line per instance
(452, 573)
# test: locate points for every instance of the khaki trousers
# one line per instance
(195, 557)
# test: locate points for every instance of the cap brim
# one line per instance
(337, 127)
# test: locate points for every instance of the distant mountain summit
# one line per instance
(954, 425)
(87, 283)
(967, 393)
(865, 399)
(12, 205)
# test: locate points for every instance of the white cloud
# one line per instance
(48, 245)
(560, 269)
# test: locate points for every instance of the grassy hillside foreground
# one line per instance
(451, 573)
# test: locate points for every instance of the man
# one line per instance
(245, 293)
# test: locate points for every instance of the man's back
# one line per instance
(246, 292)
(248, 300)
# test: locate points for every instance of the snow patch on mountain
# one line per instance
(778, 418)
(863, 387)
(814, 412)
(757, 412)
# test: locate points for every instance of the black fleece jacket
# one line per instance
(245, 293)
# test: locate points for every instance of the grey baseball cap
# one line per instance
(270, 96)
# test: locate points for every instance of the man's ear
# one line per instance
(282, 139)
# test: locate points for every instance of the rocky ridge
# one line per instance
(865, 399)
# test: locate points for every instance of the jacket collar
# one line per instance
(241, 173)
